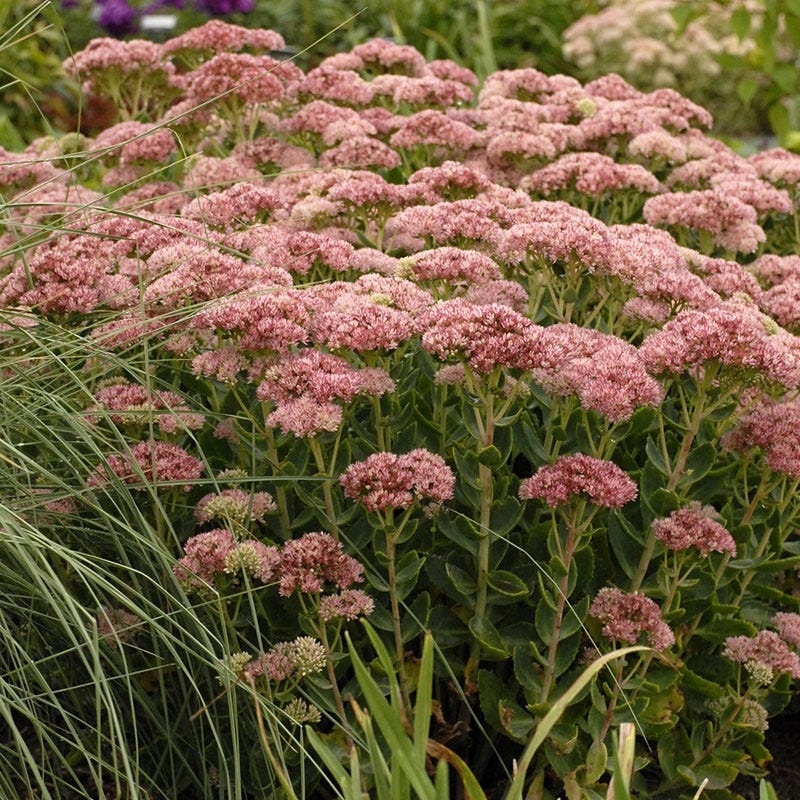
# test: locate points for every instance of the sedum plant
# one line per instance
(510, 369)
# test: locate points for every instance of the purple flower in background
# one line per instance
(223, 7)
(158, 5)
(118, 17)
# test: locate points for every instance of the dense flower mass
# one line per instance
(765, 648)
(387, 480)
(602, 481)
(626, 617)
(314, 561)
(695, 526)
(369, 277)
(774, 428)
(149, 462)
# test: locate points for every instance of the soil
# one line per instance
(783, 741)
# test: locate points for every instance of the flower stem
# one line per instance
(400, 652)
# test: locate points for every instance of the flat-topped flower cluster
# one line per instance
(434, 319)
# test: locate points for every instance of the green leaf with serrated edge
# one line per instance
(655, 456)
(416, 617)
(408, 568)
(464, 583)
(490, 456)
(506, 515)
(528, 677)
(449, 630)
(699, 462)
(507, 584)
(718, 629)
(596, 761)
(409, 529)
(746, 89)
(663, 502)
(516, 722)
(626, 549)
(459, 529)
(492, 694)
(740, 22)
(492, 643)
(566, 653)
(544, 727)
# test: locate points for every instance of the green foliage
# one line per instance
(181, 689)
(34, 95)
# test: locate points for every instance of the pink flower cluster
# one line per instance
(628, 616)
(125, 403)
(767, 648)
(390, 481)
(234, 504)
(732, 333)
(607, 374)
(315, 561)
(216, 552)
(149, 462)
(774, 427)
(485, 336)
(697, 526)
(602, 481)
(294, 659)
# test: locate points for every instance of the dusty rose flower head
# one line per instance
(126, 403)
(732, 222)
(773, 427)
(358, 322)
(485, 336)
(766, 648)
(431, 127)
(732, 333)
(362, 152)
(322, 376)
(314, 562)
(697, 526)
(384, 56)
(506, 293)
(603, 481)
(606, 372)
(241, 77)
(626, 617)
(204, 558)
(778, 166)
(344, 86)
(115, 625)
(216, 36)
(592, 174)
(788, 626)
(239, 205)
(306, 417)
(149, 462)
(387, 480)
(349, 604)
(454, 265)
(450, 180)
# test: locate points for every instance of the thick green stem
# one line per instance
(400, 651)
(486, 486)
(285, 525)
(561, 604)
(327, 493)
(337, 695)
